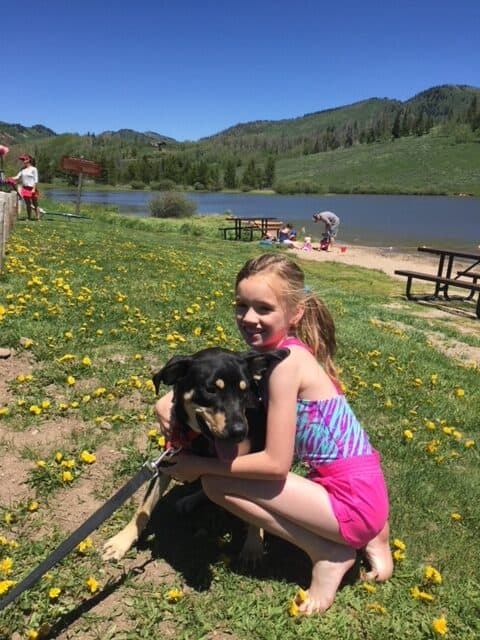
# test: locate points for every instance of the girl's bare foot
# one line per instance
(379, 557)
(326, 578)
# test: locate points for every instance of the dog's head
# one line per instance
(214, 387)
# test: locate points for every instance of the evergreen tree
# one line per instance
(229, 176)
(269, 173)
(396, 128)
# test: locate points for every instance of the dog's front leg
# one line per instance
(117, 546)
(252, 551)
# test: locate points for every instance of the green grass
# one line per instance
(432, 164)
(129, 294)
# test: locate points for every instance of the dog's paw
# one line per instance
(115, 548)
(253, 549)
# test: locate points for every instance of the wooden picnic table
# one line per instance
(246, 225)
(448, 275)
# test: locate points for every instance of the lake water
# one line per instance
(403, 222)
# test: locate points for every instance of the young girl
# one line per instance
(342, 505)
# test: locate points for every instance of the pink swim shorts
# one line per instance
(358, 495)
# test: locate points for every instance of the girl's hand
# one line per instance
(184, 467)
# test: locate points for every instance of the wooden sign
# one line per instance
(80, 165)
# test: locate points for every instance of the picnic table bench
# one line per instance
(244, 227)
(443, 280)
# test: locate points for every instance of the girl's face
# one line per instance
(261, 317)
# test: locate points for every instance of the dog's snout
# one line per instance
(238, 431)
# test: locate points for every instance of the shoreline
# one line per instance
(380, 258)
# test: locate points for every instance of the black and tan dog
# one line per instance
(216, 406)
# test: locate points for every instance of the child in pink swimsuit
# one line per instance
(342, 504)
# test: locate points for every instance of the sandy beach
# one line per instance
(371, 258)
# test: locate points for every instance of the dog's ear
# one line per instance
(175, 368)
(259, 363)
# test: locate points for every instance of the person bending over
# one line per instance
(331, 222)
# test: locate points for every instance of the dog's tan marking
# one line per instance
(191, 410)
(215, 421)
(188, 395)
(220, 383)
(242, 385)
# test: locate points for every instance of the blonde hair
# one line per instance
(316, 327)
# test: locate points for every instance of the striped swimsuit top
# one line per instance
(327, 430)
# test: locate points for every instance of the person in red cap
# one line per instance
(28, 176)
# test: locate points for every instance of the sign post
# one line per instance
(81, 167)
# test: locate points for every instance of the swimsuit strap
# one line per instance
(294, 342)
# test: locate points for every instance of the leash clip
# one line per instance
(154, 465)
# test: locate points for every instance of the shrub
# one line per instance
(172, 205)
(137, 184)
(163, 185)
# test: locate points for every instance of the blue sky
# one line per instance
(191, 68)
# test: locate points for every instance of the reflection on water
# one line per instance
(397, 221)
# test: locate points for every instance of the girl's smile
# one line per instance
(261, 318)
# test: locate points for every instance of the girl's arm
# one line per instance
(163, 412)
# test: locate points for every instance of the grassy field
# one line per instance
(433, 164)
(90, 308)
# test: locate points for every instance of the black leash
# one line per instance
(147, 472)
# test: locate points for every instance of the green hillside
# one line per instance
(437, 163)
(427, 144)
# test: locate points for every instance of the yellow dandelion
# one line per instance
(87, 457)
(433, 575)
(376, 607)
(152, 433)
(460, 393)
(32, 634)
(420, 595)
(84, 546)
(4, 411)
(5, 585)
(70, 380)
(371, 588)
(301, 597)
(35, 409)
(54, 593)
(456, 517)
(32, 506)
(293, 609)
(468, 444)
(439, 625)
(8, 518)
(92, 584)
(398, 555)
(41, 464)
(67, 476)
(388, 404)
(86, 361)
(58, 456)
(174, 595)
(6, 566)
(407, 434)
(430, 425)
